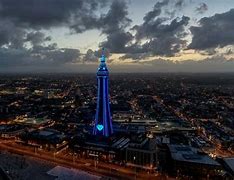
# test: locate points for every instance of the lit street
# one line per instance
(88, 165)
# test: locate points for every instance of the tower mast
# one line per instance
(103, 120)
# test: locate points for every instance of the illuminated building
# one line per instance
(103, 121)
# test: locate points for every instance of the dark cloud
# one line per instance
(39, 56)
(44, 13)
(202, 8)
(61, 56)
(36, 38)
(22, 22)
(214, 31)
(163, 37)
(117, 41)
(22, 47)
(212, 64)
(155, 28)
(116, 18)
(10, 35)
(173, 8)
(158, 28)
(25, 47)
(90, 56)
(157, 10)
(93, 56)
(23, 43)
(179, 3)
(114, 24)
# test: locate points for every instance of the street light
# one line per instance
(134, 159)
(95, 158)
(73, 157)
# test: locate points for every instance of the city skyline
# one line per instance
(157, 36)
(164, 126)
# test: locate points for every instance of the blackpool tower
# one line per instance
(103, 121)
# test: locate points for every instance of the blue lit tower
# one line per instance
(103, 121)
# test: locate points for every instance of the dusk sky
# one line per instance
(139, 35)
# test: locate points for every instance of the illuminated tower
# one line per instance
(103, 121)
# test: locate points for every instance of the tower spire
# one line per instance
(103, 58)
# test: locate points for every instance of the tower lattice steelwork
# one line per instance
(103, 121)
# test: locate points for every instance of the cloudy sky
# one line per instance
(139, 36)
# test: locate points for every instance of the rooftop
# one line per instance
(230, 163)
(190, 154)
(45, 133)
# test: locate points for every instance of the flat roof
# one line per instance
(3, 127)
(189, 154)
(230, 163)
(45, 133)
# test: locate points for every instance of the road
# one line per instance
(62, 159)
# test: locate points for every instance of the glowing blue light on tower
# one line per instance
(103, 121)
(99, 127)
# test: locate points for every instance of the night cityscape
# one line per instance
(98, 89)
(163, 124)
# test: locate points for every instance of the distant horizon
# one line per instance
(113, 73)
